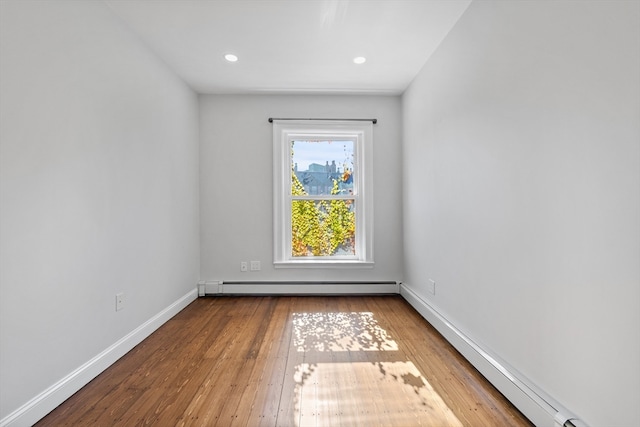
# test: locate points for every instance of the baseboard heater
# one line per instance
(571, 422)
(536, 405)
(323, 287)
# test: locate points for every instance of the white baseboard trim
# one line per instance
(536, 405)
(49, 399)
(298, 288)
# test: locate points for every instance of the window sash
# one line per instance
(354, 256)
(324, 197)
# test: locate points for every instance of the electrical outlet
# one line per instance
(255, 265)
(244, 266)
(119, 301)
(432, 286)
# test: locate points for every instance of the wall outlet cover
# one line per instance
(119, 301)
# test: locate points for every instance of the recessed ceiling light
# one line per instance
(231, 57)
(359, 60)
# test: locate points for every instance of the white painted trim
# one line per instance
(361, 133)
(535, 404)
(302, 288)
(49, 399)
(347, 264)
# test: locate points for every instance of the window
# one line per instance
(322, 193)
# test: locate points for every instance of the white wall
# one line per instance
(99, 189)
(521, 162)
(237, 186)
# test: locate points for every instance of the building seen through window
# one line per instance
(319, 179)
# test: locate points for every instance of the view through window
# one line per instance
(323, 217)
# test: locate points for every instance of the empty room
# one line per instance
(320, 213)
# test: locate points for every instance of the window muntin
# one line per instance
(322, 209)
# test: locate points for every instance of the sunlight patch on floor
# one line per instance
(367, 393)
(341, 331)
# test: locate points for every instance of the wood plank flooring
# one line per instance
(291, 361)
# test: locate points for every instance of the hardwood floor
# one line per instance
(291, 361)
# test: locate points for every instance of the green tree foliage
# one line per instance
(320, 228)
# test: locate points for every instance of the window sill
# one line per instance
(324, 264)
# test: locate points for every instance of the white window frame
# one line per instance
(284, 131)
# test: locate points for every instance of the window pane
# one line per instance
(323, 167)
(323, 228)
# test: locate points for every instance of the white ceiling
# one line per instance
(293, 46)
